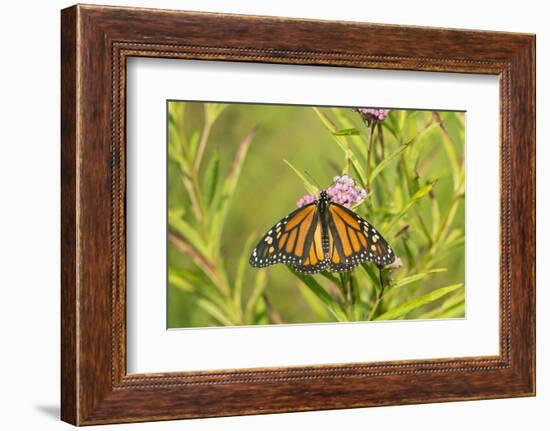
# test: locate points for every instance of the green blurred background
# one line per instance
(268, 189)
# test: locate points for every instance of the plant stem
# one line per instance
(271, 310)
(346, 294)
(381, 140)
(379, 295)
(369, 153)
(202, 143)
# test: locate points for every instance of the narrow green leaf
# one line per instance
(214, 311)
(239, 277)
(259, 285)
(171, 120)
(401, 115)
(388, 126)
(384, 163)
(456, 311)
(436, 216)
(321, 293)
(359, 141)
(189, 276)
(402, 310)
(228, 188)
(413, 278)
(442, 254)
(343, 144)
(200, 283)
(211, 178)
(411, 257)
(347, 132)
(369, 269)
(193, 143)
(177, 223)
(311, 188)
(449, 308)
(314, 302)
(180, 283)
(330, 276)
(350, 155)
(213, 110)
(449, 148)
(417, 196)
(324, 119)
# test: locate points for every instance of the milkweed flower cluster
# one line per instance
(344, 191)
(373, 114)
(305, 200)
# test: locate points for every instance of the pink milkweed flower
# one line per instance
(305, 200)
(343, 191)
(373, 114)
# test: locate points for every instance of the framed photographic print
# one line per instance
(284, 220)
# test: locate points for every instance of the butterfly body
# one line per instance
(322, 236)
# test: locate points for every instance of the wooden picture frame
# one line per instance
(95, 43)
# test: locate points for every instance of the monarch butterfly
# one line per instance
(322, 235)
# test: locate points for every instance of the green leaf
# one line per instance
(414, 278)
(228, 188)
(330, 276)
(411, 257)
(214, 311)
(321, 293)
(456, 311)
(311, 188)
(211, 178)
(343, 144)
(193, 142)
(176, 222)
(180, 283)
(436, 216)
(359, 141)
(417, 196)
(347, 132)
(384, 163)
(259, 286)
(189, 276)
(324, 119)
(315, 303)
(449, 148)
(239, 277)
(388, 126)
(369, 269)
(213, 110)
(451, 307)
(200, 284)
(402, 310)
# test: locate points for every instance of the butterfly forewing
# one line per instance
(353, 240)
(289, 241)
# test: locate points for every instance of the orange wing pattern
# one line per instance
(312, 240)
(314, 260)
(295, 240)
(353, 240)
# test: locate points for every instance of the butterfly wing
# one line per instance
(353, 240)
(295, 241)
(313, 258)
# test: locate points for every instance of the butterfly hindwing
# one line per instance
(289, 240)
(353, 240)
